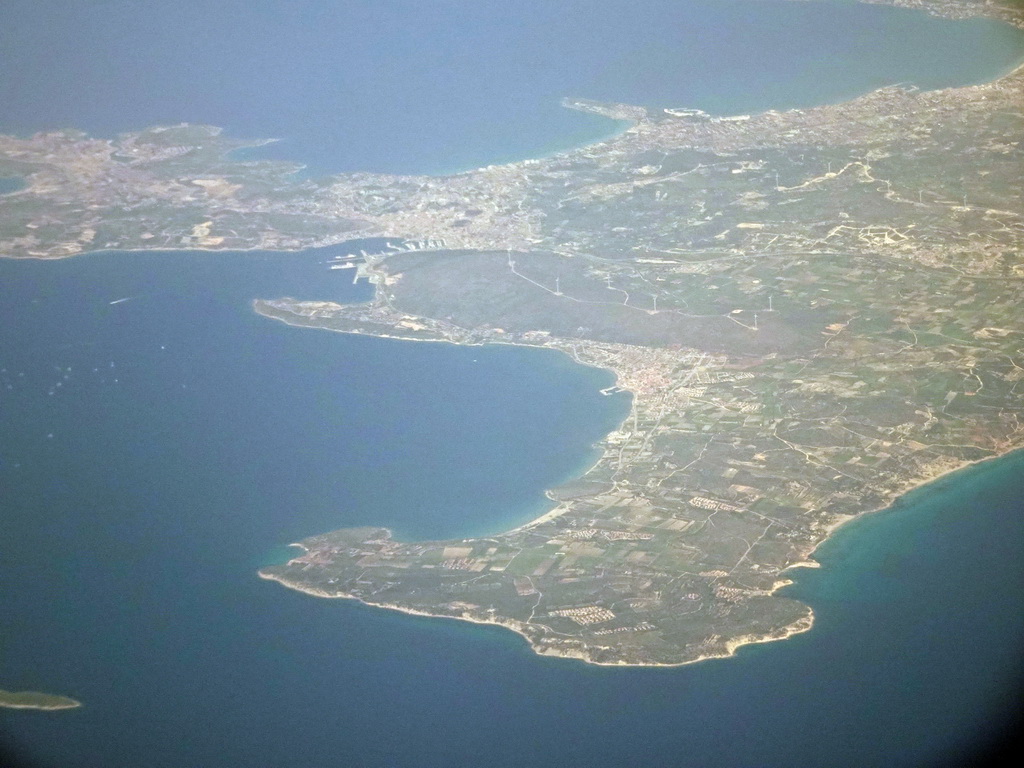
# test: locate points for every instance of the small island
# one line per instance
(36, 700)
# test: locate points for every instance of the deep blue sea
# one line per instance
(156, 451)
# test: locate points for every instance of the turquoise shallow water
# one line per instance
(10, 184)
(155, 452)
(189, 439)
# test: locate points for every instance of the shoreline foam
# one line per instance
(41, 702)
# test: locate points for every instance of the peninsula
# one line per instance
(814, 311)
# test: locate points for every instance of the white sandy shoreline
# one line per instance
(799, 626)
(802, 624)
(53, 703)
(807, 561)
(914, 487)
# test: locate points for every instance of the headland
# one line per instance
(815, 311)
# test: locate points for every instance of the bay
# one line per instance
(187, 439)
(162, 441)
(413, 87)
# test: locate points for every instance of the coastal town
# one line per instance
(729, 469)
(812, 311)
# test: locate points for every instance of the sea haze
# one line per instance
(154, 452)
(406, 86)
(157, 450)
